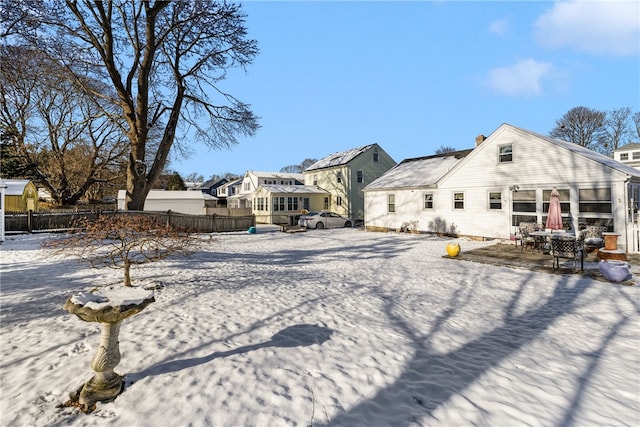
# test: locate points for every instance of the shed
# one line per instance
(21, 195)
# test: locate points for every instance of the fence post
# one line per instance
(30, 221)
(169, 218)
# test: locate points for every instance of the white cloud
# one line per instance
(594, 27)
(522, 78)
(500, 27)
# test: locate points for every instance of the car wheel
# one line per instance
(347, 224)
(320, 226)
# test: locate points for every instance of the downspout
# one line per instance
(626, 213)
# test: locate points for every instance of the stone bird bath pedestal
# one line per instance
(108, 306)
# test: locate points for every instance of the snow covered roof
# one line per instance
(418, 172)
(338, 158)
(172, 195)
(14, 187)
(280, 175)
(297, 189)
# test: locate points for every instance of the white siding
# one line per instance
(187, 202)
(538, 164)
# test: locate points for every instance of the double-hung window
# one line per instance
(458, 200)
(505, 153)
(428, 201)
(495, 200)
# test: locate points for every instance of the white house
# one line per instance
(188, 202)
(628, 154)
(507, 178)
(254, 179)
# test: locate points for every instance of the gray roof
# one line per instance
(215, 183)
(630, 146)
(339, 158)
(418, 172)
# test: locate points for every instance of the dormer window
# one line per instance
(505, 153)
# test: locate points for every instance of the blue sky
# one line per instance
(415, 76)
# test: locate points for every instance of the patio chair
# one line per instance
(526, 239)
(593, 237)
(568, 248)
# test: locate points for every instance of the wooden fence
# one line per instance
(61, 221)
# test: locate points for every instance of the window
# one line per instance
(495, 201)
(391, 203)
(505, 153)
(339, 176)
(624, 156)
(524, 201)
(376, 157)
(595, 200)
(428, 201)
(458, 200)
(292, 203)
(360, 176)
(247, 186)
(339, 201)
(260, 203)
(278, 203)
(315, 179)
(326, 203)
(636, 155)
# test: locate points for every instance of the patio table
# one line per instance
(543, 237)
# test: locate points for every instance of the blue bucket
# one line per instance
(252, 230)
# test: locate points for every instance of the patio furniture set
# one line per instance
(559, 243)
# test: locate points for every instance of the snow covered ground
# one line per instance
(332, 327)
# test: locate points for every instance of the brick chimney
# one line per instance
(479, 139)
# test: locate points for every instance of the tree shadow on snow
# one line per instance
(302, 335)
(430, 379)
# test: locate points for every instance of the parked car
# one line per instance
(324, 219)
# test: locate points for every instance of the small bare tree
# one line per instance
(123, 240)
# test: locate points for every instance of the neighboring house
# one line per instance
(254, 179)
(507, 178)
(211, 187)
(228, 189)
(20, 195)
(629, 155)
(188, 202)
(282, 204)
(343, 175)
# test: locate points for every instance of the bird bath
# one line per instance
(108, 306)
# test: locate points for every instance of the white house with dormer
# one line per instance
(506, 179)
